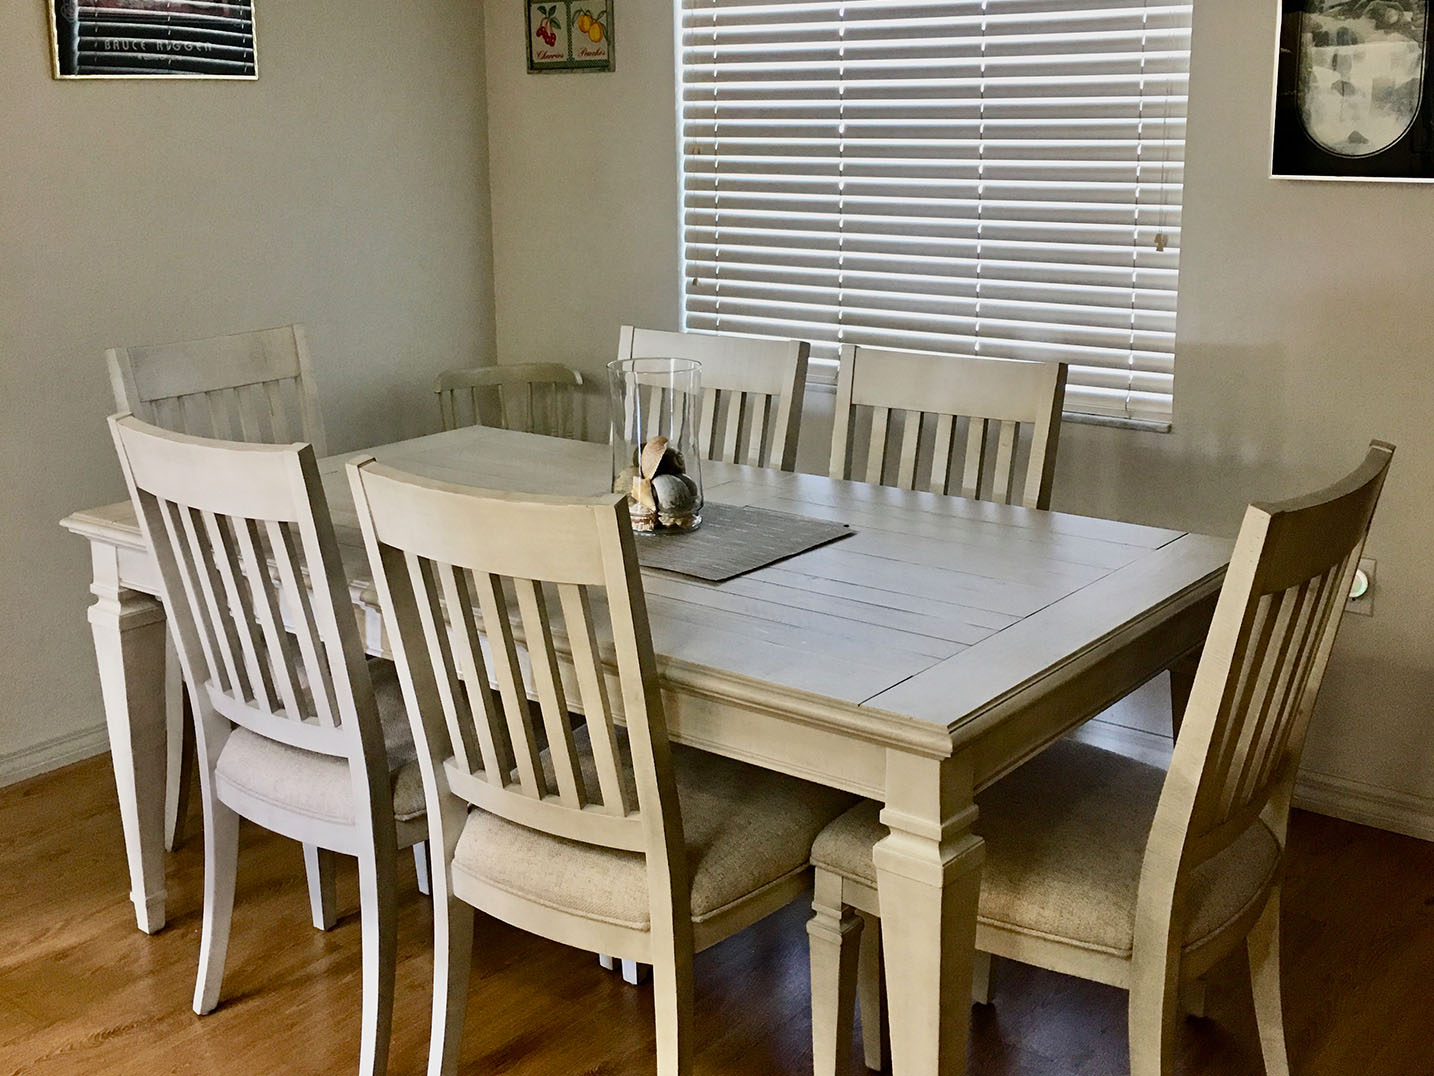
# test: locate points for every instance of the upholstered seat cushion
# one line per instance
(1065, 837)
(745, 828)
(319, 785)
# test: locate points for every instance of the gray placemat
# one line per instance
(733, 540)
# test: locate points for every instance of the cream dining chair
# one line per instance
(752, 390)
(984, 417)
(534, 397)
(256, 387)
(287, 715)
(250, 386)
(608, 838)
(1105, 868)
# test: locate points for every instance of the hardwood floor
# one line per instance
(82, 991)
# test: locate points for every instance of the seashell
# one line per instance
(671, 463)
(642, 494)
(623, 482)
(676, 494)
(683, 522)
(652, 454)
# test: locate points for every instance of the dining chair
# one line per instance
(1104, 868)
(256, 387)
(752, 391)
(534, 397)
(287, 719)
(602, 837)
(995, 423)
(251, 386)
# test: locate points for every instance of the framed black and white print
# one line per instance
(1353, 95)
(153, 39)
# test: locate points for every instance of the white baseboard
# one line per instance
(1322, 793)
(1369, 805)
(52, 754)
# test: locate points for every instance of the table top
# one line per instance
(934, 614)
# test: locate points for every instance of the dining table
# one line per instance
(935, 648)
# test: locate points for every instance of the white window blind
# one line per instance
(994, 177)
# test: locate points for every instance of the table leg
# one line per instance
(1182, 679)
(129, 634)
(928, 871)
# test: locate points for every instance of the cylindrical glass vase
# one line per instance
(656, 408)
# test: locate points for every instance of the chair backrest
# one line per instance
(255, 591)
(454, 564)
(989, 416)
(752, 391)
(1260, 672)
(256, 387)
(534, 397)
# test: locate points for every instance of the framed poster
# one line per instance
(1352, 91)
(569, 35)
(153, 39)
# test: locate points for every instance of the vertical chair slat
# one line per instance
(215, 404)
(1005, 463)
(452, 662)
(249, 427)
(941, 454)
(279, 418)
(1251, 715)
(271, 619)
(548, 686)
(499, 632)
(910, 436)
(734, 422)
(189, 577)
(201, 557)
(876, 446)
(241, 609)
(301, 615)
(1250, 647)
(709, 417)
(619, 797)
(975, 462)
(757, 428)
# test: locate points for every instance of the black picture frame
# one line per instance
(1354, 96)
(159, 39)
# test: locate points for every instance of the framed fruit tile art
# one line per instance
(569, 35)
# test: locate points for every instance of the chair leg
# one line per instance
(320, 867)
(1264, 949)
(181, 758)
(672, 1001)
(1154, 1016)
(378, 910)
(871, 996)
(833, 934)
(452, 959)
(421, 868)
(221, 855)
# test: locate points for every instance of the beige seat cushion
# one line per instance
(319, 785)
(745, 828)
(1065, 837)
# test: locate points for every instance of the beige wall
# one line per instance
(1301, 336)
(345, 189)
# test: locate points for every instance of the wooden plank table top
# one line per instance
(939, 646)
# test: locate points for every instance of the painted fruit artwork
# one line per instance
(547, 32)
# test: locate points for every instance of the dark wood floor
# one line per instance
(82, 991)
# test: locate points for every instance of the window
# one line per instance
(995, 177)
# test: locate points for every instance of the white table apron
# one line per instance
(914, 663)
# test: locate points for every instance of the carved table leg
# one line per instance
(928, 872)
(129, 634)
